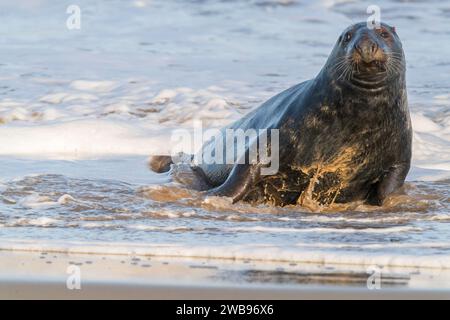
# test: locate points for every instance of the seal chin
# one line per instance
(372, 69)
(370, 81)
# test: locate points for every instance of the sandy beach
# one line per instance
(47, 275)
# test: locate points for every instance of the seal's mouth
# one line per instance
(369, 69)
(368, 57)
(384, 65)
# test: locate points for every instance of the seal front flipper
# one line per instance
(241, 179)
(390, 182)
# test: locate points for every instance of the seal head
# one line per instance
(368, 59)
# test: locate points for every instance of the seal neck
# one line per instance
(367, 84)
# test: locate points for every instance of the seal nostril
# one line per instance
(367, 50)
(374, 47)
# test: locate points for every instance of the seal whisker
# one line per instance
(394, 64)
(340, 66)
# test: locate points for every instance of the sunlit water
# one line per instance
(81, 110)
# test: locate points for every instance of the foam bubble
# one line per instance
(34, 201)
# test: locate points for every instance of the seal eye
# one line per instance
(347, 37)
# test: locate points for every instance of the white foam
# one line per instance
(423, 124)
(95, 86)
(34, 201)
(65, 199)
(421, 245)
(81, 139)
(237, 217)
(143, 227)
(60, 97)
(95, 225)
(376, 219)
(326, 230)
(259, 229)
(256, 252)
(172, 214)
(37, 222)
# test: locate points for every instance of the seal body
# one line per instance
(344, 136)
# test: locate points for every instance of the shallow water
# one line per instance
(67, 211)
(81, 110)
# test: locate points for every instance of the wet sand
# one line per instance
(44, 275)
(110, 290)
